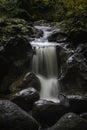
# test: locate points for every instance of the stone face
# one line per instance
(70, 121)
(78, 103)
(18, 48)
(28, 80)
(26, 98)
(14, 118)
(16, 59)
(47, 112)
(57, 37)
(83, 115)
(15, 26)
(78, 36)
(4, 67)
(75, 70)
(11, 27)
(74, 74)
(32, 80)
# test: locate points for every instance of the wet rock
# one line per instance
(84, 115)
(18, 53)
(47, 112)
(82, 49)
(4, 63)
(15, 26)
(57, 37)
(79, 84)
(14, 118)
(70, 121)
(28, 80)
(14, 45)
(19, 61)
(76, 70)
(31, 79)
(26, 98)
(78, 103)
(41, 23)
(78, 36)
(63, 99)
(4, 67)
(62, 56)
(38, 34)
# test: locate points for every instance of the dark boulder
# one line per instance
(18, 48)
(62, 56)
(11, 27)
(47, 112)
(83, 115)
(77, 36)
(38, 34)
(14, 118)
(18, 55)
(82, 49)
(74, 79)
(30, 79)
(4, 67)
(57, 37)
(26, 98)
(70, 121)
(78, 103)
(4, 63)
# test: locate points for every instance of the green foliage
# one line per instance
(54, 10)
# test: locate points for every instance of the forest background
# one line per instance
(72, 11)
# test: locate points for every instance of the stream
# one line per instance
(45, 65)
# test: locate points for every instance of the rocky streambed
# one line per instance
(20, 104)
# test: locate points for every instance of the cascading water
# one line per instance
(45, 61)
(45, 66)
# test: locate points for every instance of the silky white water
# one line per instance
(49, 88)
(45, 61)
(45, 65)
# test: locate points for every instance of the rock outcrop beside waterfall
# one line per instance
(16, 59)
(25, 98)
(72, 69)
(71, 57)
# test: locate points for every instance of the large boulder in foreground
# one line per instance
(70, 121)
(47, 112)
(26, 98)
(14, 118)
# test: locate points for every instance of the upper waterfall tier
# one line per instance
(45, 61)
(43, 41)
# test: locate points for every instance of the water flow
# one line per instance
(45, 61)
(45, 64)
(49, 89)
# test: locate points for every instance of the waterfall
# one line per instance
(50, 88)
(45, 61)
(45, 66)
